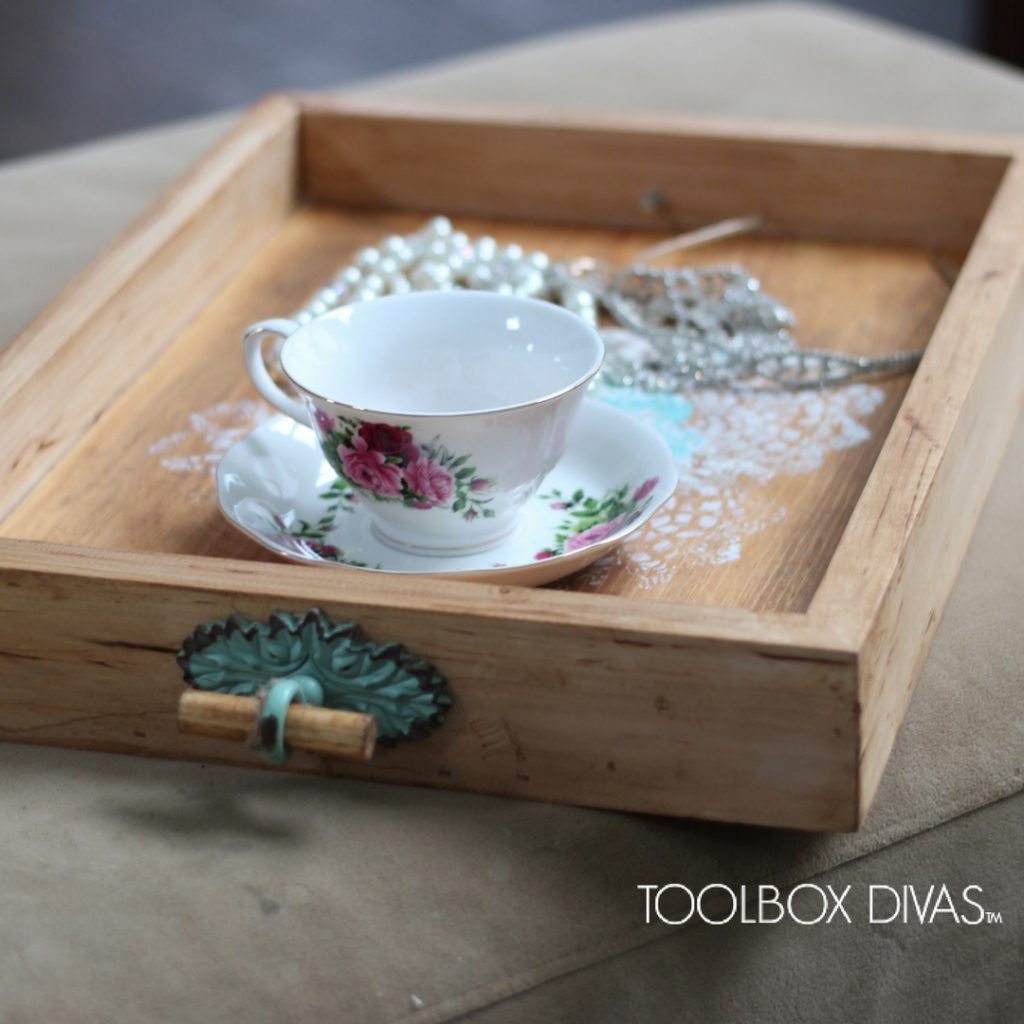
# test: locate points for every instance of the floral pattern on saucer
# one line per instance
(277, 487)
(388, 464)
(591, 521)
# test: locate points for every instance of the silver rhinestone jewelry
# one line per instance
(709, 326)
(713, 326)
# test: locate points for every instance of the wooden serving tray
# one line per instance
(749, 661)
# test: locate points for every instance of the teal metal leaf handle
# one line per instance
(405, 694)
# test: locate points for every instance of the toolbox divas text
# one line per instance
(810, 904)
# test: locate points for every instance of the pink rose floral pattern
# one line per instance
(591, 520)
(388, 464)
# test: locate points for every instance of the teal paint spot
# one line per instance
(667, 412)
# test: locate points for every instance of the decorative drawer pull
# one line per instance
(318, 730)
(351, 692)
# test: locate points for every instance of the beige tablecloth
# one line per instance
(145, 891)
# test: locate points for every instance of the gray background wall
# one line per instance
(74, 69)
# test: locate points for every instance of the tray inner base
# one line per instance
(768, 481)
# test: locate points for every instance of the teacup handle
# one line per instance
(252, 345)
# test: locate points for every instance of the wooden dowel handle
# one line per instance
(317, 730)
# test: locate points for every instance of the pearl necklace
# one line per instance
(703, 326)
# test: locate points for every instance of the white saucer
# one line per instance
(276, 486)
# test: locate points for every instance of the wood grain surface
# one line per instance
(90, 343)
(115, 490)
(665, 173)
(886, 586)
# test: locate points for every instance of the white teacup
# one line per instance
(444, 410)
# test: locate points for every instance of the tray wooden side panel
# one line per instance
(614, 716)
(655, 174)
(110, 322)
(896, 563)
